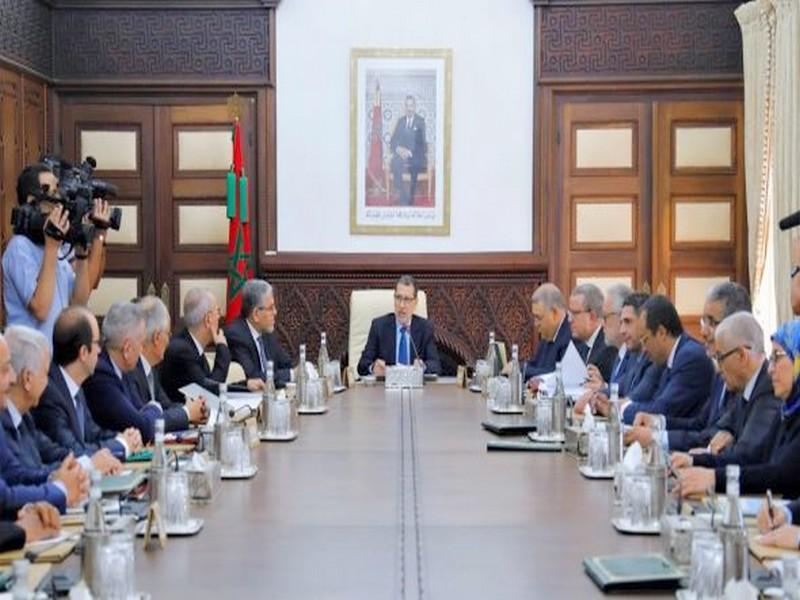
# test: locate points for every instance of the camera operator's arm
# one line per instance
(81, 291)
(97, 254)
(42, 298)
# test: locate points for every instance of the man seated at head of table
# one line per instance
(710, 426)
(20, 485)
(401, 337)
(549, 310)
(30, 357)
(686, 378)
(147, 379)
(781, 471)
(252, 339)
(641, 379)
(586, 323)
(185, 359)
(62, 412)
(111, 394)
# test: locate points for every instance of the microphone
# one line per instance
(792, 220)
(241, 414)
(407, 330)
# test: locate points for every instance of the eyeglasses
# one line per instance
(403, 299)
(795, 270)
(608, 315)
(721, 357)
(708, 321)
(776, 356)
(574, 313)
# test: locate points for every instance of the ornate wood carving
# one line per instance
(654, 40)
(163, 45)
(464, 308)
(26, 35)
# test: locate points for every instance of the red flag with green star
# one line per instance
(240, 266)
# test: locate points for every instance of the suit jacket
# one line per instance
(683, 388)
(115, 403)
(753, 423)
(20, 485)
(685, 433)
(56, 417)
(413, 139)
(641, 379)
(600, 354)
(794, 508)
(781, 473)
(12, 536)
(32, 448)
(382, 342)
(549, 352)
(244, 351)
(175, 417)
(182, 365)
(626, 366)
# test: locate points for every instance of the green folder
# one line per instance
(140, 456)
(633, 572)
(121, 484)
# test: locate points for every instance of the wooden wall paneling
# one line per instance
(10, 143)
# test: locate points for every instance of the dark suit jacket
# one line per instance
(175, 418)
(382, 341)
(182, 365)
(413, 139)
(115, 403)
(685, 433)
(641, 379)
(794, 508)
(682, 388)
(753, 423)
(56, 417)
(244, 351)
(20, 485)
(12, 536)
(549, 352)
(32, 448)
(600, 354)
(626, 366)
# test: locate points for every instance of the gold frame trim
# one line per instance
(355, 55)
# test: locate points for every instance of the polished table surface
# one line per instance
(395, 497)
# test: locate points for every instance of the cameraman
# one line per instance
(39, 279)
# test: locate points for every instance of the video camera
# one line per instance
(77, 189)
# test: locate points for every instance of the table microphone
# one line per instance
(792, 220)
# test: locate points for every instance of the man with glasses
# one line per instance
(185, 360)
(62, 412)
(586, 323)
(252, 338)
(112, 396)
(401, 337)
(550, 320)
(612, 309)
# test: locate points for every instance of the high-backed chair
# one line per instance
(366, 305)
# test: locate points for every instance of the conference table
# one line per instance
(394, 495)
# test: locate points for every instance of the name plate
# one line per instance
(402, 376)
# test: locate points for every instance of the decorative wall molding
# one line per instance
(26, 36)
(590, 41)
(464, 307)
(162, 45)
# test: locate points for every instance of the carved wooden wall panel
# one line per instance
(26, 35)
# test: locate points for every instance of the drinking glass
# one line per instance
(278, 416)
(636, 494)
(233, 448)
(544, 416)
(598, 449)
(315, 395)
(706, 572)
(177, 508)
(116, 575)
(791, 577)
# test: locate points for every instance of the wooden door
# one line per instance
(120, 138)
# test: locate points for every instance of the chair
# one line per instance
(366, 305)
(235, 370)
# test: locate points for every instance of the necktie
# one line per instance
(262, 355)
(402, 351)
(80, 412)
(583, 350)
(408, 123)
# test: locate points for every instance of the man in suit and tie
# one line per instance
(62, 412)
(252, 339)
(146, 377)
(550, 320)
(112, 396)
(185, 360)
(701, 430)
(586, 323)
(400, 338)
(409, 151)
(30, 357)
(685, 381)
(612, 309)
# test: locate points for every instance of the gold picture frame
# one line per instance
(400, 174)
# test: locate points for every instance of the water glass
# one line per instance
(115, 578)
(481, 374)
(636, 493)
(677, 533)
(316, 396)
(706, 572)
(235, 453)
(177, 501)
(598, 449)
(278, 417)
(791, 577)
(544, 416)
(333, 371)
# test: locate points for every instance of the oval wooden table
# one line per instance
(395, 497)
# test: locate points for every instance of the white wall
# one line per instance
(492, 119)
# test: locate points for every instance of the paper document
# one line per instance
(194, 390)
(573, 369)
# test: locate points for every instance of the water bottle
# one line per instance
(302, 378)
(493, 357)
(221, 424)
(515, 377)
(614, 428)
(267, 398)
(732, 532)
(559, 409)
(158, 467)
(95, 517)
(323, 359)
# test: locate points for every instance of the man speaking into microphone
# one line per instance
(400, 338)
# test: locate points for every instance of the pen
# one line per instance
(770, 510)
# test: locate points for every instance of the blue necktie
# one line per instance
(402, 351)
(80, 408)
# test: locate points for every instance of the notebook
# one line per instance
(633, 572)
(523, 445)
(510, 427)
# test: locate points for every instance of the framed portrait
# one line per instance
(400, 103)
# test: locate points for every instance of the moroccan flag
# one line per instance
(240, 267)
(375, 164)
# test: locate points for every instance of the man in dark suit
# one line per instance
(30, 357)
(586, 323)
(409, 151)
(685, 381)
(612, 311)
(111, 395)
(185, 360)
(62, 412)
(389, 342)
(550, 320)
(34, 522)
(146, 378)
(252, 339)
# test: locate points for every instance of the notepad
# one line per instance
(633, 572)
(122, 483)
(763, 553)
(523, 445)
